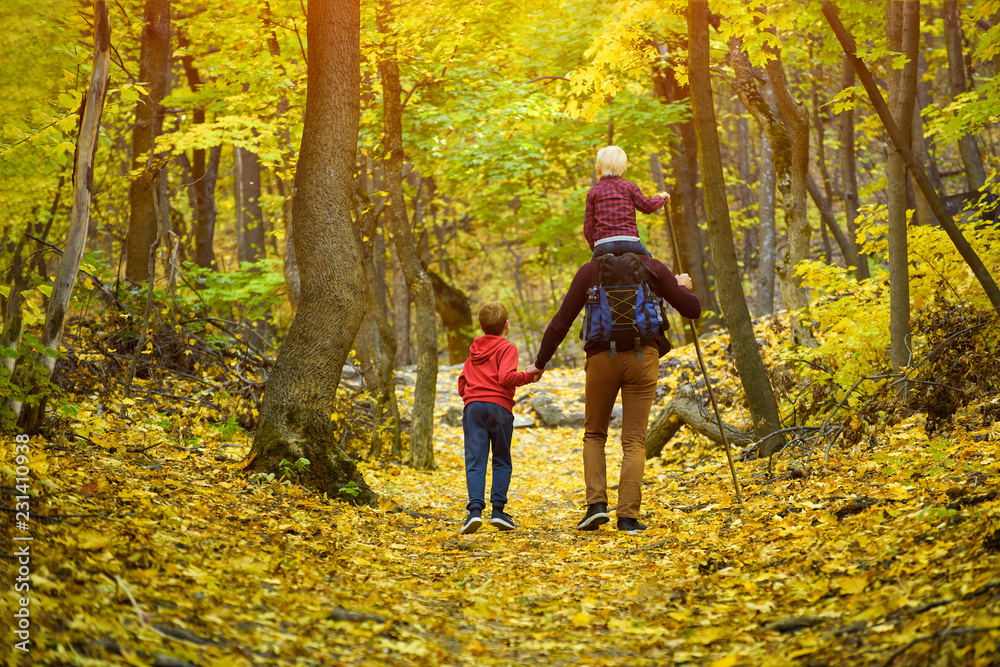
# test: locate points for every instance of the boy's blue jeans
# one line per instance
(620, 247)
(486, 426)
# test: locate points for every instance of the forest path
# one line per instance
(174, 552)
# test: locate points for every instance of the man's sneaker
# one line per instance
(473, 523)
(630, 525)
(502, 521)
(597, 514)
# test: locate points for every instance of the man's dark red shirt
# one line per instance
(611, 206)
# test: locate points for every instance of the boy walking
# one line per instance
(487, 384)
(609, 222)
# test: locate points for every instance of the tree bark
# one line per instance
(975, 174)
(685, 196)
(756, 385)
(204, 173)
(796, 120)
(417, 280)
(300, 392)
(767, 253)
(848, 165)
(904, 34)
(250, 237)
(154, 71)
(821, 162)
(684, 410)
(452, 306)
(76, 240)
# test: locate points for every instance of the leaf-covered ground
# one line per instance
(149, 548)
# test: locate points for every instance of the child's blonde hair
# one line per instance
(611, 161)
(492, 318)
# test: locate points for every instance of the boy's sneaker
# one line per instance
(502, 521)
(630, 525)
(473, 523)
(597, 514)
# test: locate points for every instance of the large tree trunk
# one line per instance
(417, 280)
(796, 120)
(848, 165)
(904, 34)
(756, 385)
(154, 71)
(76, 240)
(975, 175)
(299, 396)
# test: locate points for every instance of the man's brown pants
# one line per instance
(636, 378)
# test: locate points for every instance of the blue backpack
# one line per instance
(622, 308)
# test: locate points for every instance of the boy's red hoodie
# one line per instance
(490, 373)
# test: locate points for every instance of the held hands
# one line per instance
(684, 280)
(537, 372)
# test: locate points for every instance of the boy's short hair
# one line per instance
(492, 318)
(611, 161)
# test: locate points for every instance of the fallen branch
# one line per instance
(683, 409)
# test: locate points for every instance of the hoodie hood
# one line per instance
(484, 347)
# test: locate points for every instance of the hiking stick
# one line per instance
(679, 265)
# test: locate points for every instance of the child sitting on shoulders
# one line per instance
(609, 222)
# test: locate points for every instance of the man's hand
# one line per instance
(537, 372)
(666, 197)
(684, 280)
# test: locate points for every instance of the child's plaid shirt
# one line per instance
(611, 206)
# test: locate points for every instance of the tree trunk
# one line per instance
(685, 196)
(154, 71)
(744, 195)
(76, 239)
(975, 175)
(848, 165)
(826, 216)
(767, 253)
(452, 306)
(250, 237)
(417, 280)
(904, 34)
(203, 173)
(821, 163)
(756, 385)
(684, 409)
(300, 392)
(796, 120)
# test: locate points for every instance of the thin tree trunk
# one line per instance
(300, 392)
(821, 161)
(76, 240)
(204, 173)
(767, 253)
(904, 34)
(744, 195)
(848, 165)
(250, 238)
(154, 68)
(756, 385)
(975, 175)
(826, 216)
(417, 280)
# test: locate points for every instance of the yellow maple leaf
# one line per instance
(580, 619)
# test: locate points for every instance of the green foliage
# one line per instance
(289, 470)
(247, 293)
